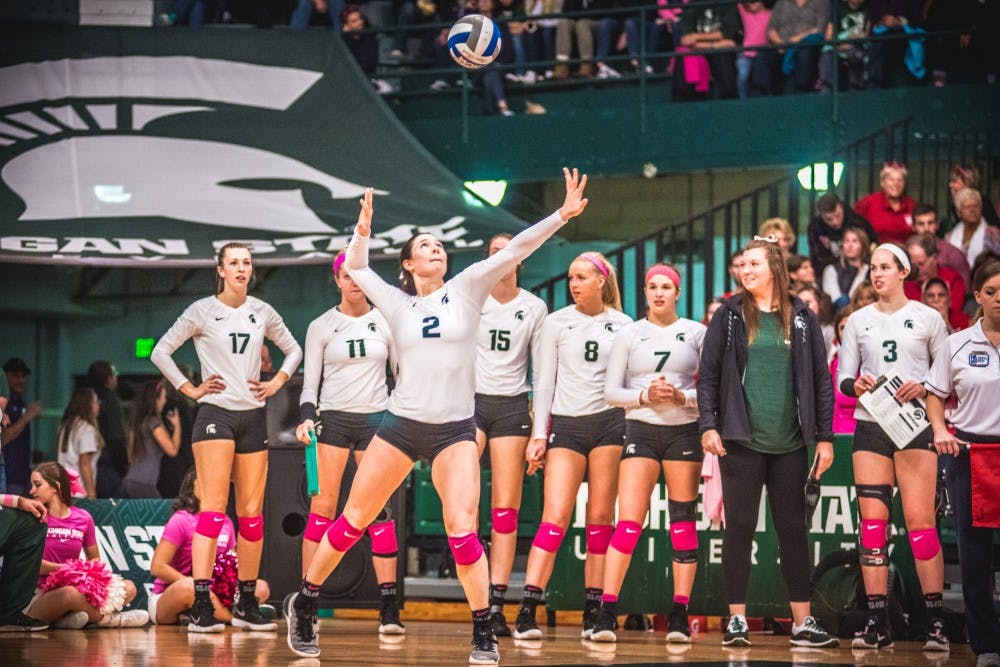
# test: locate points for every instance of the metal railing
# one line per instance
(701, 246)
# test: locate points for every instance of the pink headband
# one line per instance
(338, 262)
(663, 270)
(596, 261)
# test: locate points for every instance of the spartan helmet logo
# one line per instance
(680, 336)
(519, 315)
(371, 327)
(609, 327)
(908, 324)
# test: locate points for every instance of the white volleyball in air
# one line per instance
(474, 41)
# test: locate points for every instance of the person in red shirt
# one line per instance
(923, 252)
(890, 210)
(937, 297)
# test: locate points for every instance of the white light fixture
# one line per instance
(820, 176)
(111, 194)
(491, 192)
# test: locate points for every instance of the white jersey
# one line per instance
(969, 366)
(644, 351)
(228, 342)
(349, 354)
(902, 343)
(507, 333)
(435, 335)
(571, 361)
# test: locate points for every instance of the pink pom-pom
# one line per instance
(90, 577)
(225, 578)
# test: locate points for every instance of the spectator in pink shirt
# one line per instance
(752, 73)
(843, 405)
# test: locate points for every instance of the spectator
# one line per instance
(937, 295)
(583, 28)
(885, 57)
(843, 405)
(417, 37)
(22, 540)
(864, 295)
(972, 235)
(490, 77)
(782, 231)
(964, 176)
(634, 26)
(799, 26)
(102, 377)
(546, 28)
(711, 309)
(819, 303)
(303, 12)
(364, 47)
(850, 57)
(753, 69)
(704, 26)
(610, 27)
(925, 221)
(79, 441)
(521, 38)
(173, 470)
(195, 13)
(800, 271)
(843, 277)
(922, 249)
(736, 262)
(16, 438)
(826, 230)
(890, 210)
(149, 440)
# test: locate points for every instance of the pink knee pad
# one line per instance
(384, 539)
(924, 543)
(598, 538)
(252, 528)
(684, 536)
(504, 519)
(466, 548)
(873, 533)
(549, 537)
(342, 535)
(210, 524)
(626, 536)
(316, 527)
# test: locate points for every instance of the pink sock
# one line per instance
(682, 599)
(608, 597)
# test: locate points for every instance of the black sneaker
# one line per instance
(499, 623)
(604, 627)
(247, 615)
(937, 640)
(388, 620)
(303, 629)
(484, 645)
(590, 616)
(737, 631)
(201, 618)
(21, 622)
(812, 635)
(525, 626)
(679, 630)
(874, 634)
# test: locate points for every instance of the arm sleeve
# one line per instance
(88, 442)
(313, 371)
(617, 391)
(480, 278)
(545, 359)
(385, 297)
(185, 327)
(849, 357)
(536, 331)
(283, 338)
(710, 372)
(822, 382)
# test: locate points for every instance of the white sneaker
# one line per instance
(605, 72)
(529, 77)
(382, 87)
(133, 618)
(513, 78)
(74, 620)
(439, 84)
(506, 113)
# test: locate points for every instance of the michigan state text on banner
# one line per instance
(146, 147)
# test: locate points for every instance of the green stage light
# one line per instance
(820, 175)
(144, 347)
(491, 192)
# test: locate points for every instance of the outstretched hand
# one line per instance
(364, 227)
(575, 202)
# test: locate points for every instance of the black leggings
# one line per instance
(744, 473)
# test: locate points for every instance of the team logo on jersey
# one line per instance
(445, 298)
(253, 320)
(680, 336)
(519, 315)
(609, 327)
(371, 327)
(979, 359)
(630, 449)
(907, 324)
(210, 429)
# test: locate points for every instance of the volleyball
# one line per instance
(474, 41)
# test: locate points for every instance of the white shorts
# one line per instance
(151, 603)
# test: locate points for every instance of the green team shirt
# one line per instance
(770, 391)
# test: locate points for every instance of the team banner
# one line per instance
(151, 147)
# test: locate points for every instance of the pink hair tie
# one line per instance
(596, 261)
(339, 262)
(663, 270)
(75, 487)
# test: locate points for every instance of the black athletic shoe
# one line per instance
(21, 622)
(525, 626)
(247, 615)
(590, 617)
(388, 620)
(604, 627)
(484, 645)
(499, 622)
(737, 631)
(874, 635)
(201, 618)
(811, 634)
(303, 629)
(679, 630)
(937, 640)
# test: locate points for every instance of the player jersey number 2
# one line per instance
(431, 325)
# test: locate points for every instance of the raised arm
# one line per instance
(382, 294)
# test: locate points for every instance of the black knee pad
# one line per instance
(682, 510)
(881, 492)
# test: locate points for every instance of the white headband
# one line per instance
(897, 252)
